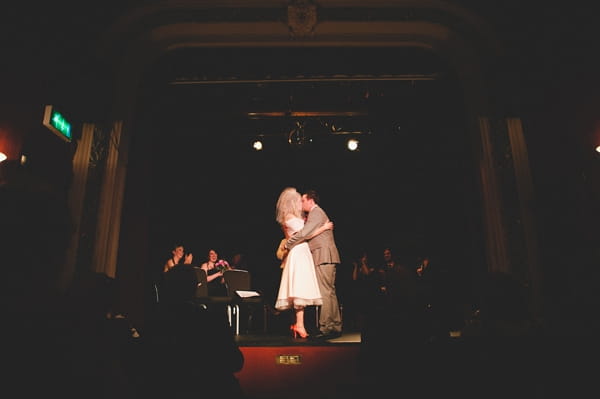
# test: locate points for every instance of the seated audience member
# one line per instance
(179, 285)
(191, 352)
(60, 339)
(214, 268)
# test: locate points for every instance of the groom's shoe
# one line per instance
(320, 337)
(328, 335)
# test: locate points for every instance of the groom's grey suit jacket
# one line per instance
(322, 246)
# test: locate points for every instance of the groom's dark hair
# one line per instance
(313, 195)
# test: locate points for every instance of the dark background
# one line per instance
(548, 60)
(412, 185)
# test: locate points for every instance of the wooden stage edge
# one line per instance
(279, 366)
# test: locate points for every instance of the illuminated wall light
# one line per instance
(257, 145)
(598, 149)
(352, 144)
(3, 157)
(23, 159)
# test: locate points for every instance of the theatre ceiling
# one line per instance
(328, 90)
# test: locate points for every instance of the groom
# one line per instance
(326, 257)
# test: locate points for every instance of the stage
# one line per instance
(279, 366)
(374, 364)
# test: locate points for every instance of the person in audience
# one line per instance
(214, 268)
(178, 256)
(191, 351)
(401, 292)
(298, 286)
(361, 267)
(395, 309)
(383, 276)
(363, 287)
(61, 341)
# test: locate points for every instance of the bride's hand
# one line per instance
(329, 225)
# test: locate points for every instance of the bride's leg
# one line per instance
(300, 318)
(299, 326)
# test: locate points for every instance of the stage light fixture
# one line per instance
(352, 144)
(257, 145)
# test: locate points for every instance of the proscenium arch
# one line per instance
(133, 53)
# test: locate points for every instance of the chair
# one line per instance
(178, 286)
(202, 297)
(239, 286)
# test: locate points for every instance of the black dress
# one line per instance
(215, 287)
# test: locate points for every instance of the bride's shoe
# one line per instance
(298, 331)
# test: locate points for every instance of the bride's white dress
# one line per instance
(298, 287)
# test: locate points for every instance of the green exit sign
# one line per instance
(57, 122)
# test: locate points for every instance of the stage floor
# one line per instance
(278, 339)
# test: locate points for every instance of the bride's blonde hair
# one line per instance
(288, 203)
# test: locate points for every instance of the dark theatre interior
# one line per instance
(478, 136)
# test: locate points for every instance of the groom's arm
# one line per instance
(315, 219)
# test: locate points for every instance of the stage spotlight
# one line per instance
(352, 144)
(257, 145)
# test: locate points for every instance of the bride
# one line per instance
(298, 287)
